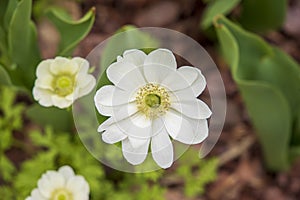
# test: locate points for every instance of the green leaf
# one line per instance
(263, 15)
(216, 7)
(22, 44)
(4, 77)
(71, 32)
(269, 82)
(57, 118)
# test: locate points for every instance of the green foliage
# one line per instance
(71, 32)
(59, 119)
(205, 171)
(216, 7)
(10, 121)
(256, 15)
(263, 15)
(269, 83)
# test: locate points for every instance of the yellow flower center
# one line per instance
(61, 194)
(63, 85)
(153, 100)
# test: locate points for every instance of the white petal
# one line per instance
(175, 81)
(134, 156)
(200, 130)
(118, 112)
(157, 126)
(136, 126)
(136, 143)
(175, 123)
(45, 82)
(36, 195)
(77, 185)
(195, 78)
(162, 149)
(44, 97)
(63, 65)
(83, 65)
(85, 85)
(113, 134)
(131, 80)
(155, 73)
(49, 182)
(102, 127)
(137, 57)
(196, 109)
(161, 57)
(116, 71)
(61, 102)
(66, 171)
(110, 95)
(44, 68)
(182, 95)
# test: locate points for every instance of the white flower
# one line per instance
(61, 185)
(151, 100)
(61, 81)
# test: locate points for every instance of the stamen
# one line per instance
(153, 100)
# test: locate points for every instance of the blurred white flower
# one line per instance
(151, 100)
(61, 81)
(61, 185)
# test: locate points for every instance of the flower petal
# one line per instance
(161, 57)
(61, 102)
(200, 130)
(136, 143)
(49, 182)
(113, 134)
(131, 80)
(175, 123)
(83, 65)
(175, 81)
(110, 95)
(134, 156)
(45, 82)
(137, 57)
(116, 72)
(85, 84)
(63, 65)
(78, 185)
(195, 79)
(196, 109)
(44, 68)
(43, 96)
(36, 195)
(66, 171)
(162, 149)
(155, 73)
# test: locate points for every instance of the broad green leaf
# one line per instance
(263, 15)
(269, 82)
(9, 9)
(3, 8)
(57, 118)
(71, 32)
(23, 47)
(216, 7)
(4, 77)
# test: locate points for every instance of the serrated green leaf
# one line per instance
(216, 7)
(71, 32)
(57, 118)
(263, 15)
(267, 79)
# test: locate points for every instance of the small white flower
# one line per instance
(61, 185)
(61, 81)
(151, 100)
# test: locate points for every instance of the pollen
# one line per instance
(153, 100)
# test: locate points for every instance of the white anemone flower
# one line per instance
(151, 100)
(61, 185)
(61, 81)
